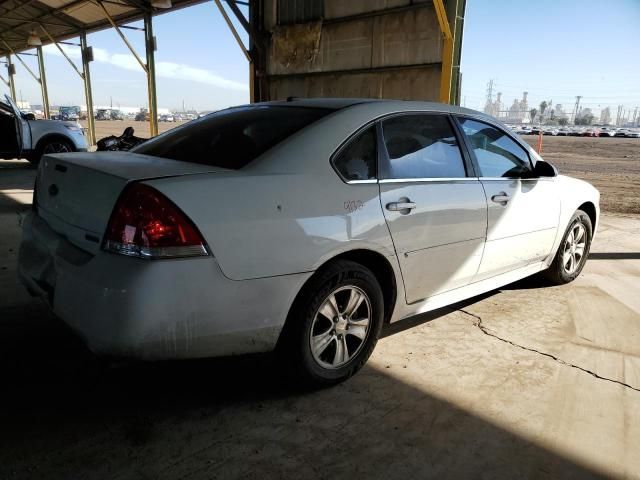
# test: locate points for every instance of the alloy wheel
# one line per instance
(340, 327)
(56, 147)
(574, 246)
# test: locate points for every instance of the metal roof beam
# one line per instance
(40, 17)
(233, 31)
(62, 51)
(22, 19)
(21, 61)
(257, 39)
(122, 36)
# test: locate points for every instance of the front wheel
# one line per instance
(49, 147)
(333, 325)
(573, 250)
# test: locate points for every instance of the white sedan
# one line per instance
(300, 226)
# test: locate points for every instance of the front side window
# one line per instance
(421, 146)
(357, 159)
(497, 154)
(231, 138)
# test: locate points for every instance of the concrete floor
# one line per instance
(528, 381)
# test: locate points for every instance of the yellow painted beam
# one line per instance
(447, 71)
(442, 18)
(447, 52)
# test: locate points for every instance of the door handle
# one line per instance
(501, 198)
(403, 207)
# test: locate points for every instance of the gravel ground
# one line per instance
(612, 165)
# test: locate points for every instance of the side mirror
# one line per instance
(544, 169)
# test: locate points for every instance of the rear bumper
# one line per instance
(128, 307)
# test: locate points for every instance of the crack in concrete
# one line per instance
(483, 329)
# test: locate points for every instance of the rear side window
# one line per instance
(421, 146)
(497, 154)
(231, 138)
(357, 159)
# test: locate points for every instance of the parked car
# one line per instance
(607, 132)
(103, 114)
(25, 137)
(622, 132)
(301, 226)
(117, 115)
(68, 113)
(142, 115)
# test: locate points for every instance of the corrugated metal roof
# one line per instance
(65, 19)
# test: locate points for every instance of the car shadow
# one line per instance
(65, 415)
(614, 256)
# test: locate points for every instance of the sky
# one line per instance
(554, 49)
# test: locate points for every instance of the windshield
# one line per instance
(69, 109)
(232, 138)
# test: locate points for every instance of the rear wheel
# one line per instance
(334, 324)
(56, 145)
(573, 250)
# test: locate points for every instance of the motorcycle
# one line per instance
(124, 142)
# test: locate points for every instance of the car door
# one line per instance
(434, 207)
(22, 126)
(523, 211)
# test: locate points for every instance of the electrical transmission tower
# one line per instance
(576, 108)
(489, 105)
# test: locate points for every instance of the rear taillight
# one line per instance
(146, 224)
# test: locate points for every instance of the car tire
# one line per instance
(320, 351)
(567, 264)
(49, 147)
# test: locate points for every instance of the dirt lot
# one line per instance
(611, 164)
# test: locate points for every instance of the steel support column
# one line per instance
(88, 94)
(43, 83)
(11, 71)
(447, 52)
(150, 46)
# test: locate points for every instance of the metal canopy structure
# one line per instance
(65, 19)
(406, 49)
(25, 24)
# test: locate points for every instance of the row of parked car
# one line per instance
(576, 131)
(74, 114)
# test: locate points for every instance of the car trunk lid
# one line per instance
(76, 192)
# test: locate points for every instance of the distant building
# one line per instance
(518, 112)
(494, 108)
(559, 111)
(584, 113)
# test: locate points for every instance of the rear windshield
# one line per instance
(231, 138)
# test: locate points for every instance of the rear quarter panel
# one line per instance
(288, 211)
(278, 224)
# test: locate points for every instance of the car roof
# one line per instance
(393, 105)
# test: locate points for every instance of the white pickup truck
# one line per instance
(22, 136)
